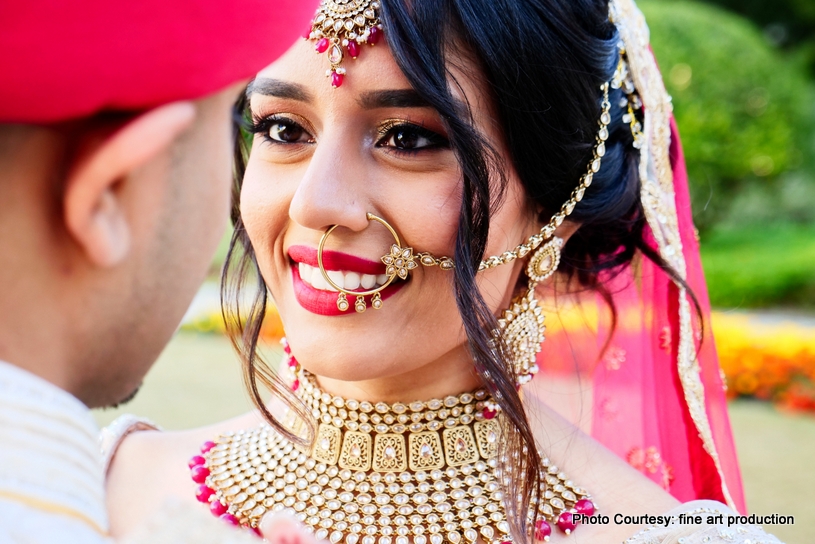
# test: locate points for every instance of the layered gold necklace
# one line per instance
(377, 473)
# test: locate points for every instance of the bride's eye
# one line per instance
(281, 130)
(287, 132)
(407, 137)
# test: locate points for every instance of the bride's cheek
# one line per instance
(264, 200)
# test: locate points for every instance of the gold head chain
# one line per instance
(521, 250)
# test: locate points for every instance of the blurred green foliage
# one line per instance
(761, 266)
(787, 23)
(744, 109)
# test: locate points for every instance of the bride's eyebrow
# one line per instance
(401, 98)
(279, 89)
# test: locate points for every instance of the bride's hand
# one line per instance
(279, 528)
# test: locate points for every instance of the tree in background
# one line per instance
(744, 109)
(787, 23)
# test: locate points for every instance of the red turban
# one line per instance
(67, 59)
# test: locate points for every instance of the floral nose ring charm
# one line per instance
(398, 263)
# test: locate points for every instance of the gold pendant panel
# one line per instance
(459, 446)
(389, 453)
(356, 451)
(386, 452)
(327, 445)
(487, 433)
(425, 451)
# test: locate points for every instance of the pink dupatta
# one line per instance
(650, 389)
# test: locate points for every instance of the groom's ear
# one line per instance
(96, 216)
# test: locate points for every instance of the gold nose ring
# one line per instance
(399, 262)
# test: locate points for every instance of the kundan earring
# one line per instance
(398, 264)
(521, 327)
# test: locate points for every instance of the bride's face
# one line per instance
(323, 156)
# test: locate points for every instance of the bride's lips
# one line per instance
(325, 302)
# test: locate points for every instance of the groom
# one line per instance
(115, 146)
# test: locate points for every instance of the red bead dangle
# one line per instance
(199, 472)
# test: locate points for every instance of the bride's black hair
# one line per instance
(542, 63)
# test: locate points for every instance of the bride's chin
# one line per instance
(346, 365)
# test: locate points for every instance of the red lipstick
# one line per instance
(334, 260)
(322, 302)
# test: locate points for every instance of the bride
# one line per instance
(412, 208)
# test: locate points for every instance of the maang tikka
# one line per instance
(342, 27)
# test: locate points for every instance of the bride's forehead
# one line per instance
(374, 69)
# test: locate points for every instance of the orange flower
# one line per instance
(772, 362)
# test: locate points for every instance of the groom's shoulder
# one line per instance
(24, 520)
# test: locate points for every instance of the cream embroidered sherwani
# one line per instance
(52, 481)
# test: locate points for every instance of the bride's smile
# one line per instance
(346, 271)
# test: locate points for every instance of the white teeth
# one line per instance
(351, 280)
(345, 279)
(367, 281)
(317, 280)
(336, 277)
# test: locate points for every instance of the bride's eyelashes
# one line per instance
(280, 129)
(404, 137)
(395, 135)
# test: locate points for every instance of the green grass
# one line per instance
(759, 267)
(197, 381)
(775, 454)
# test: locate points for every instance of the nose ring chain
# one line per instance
(399, 262)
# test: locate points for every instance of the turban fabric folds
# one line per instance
(62, 60)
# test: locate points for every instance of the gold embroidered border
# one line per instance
(53, 508)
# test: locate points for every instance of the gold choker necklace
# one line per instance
(420, 473)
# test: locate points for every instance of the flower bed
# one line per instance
(767, 361)
(213, 322)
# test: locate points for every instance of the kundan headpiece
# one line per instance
(342, 27)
